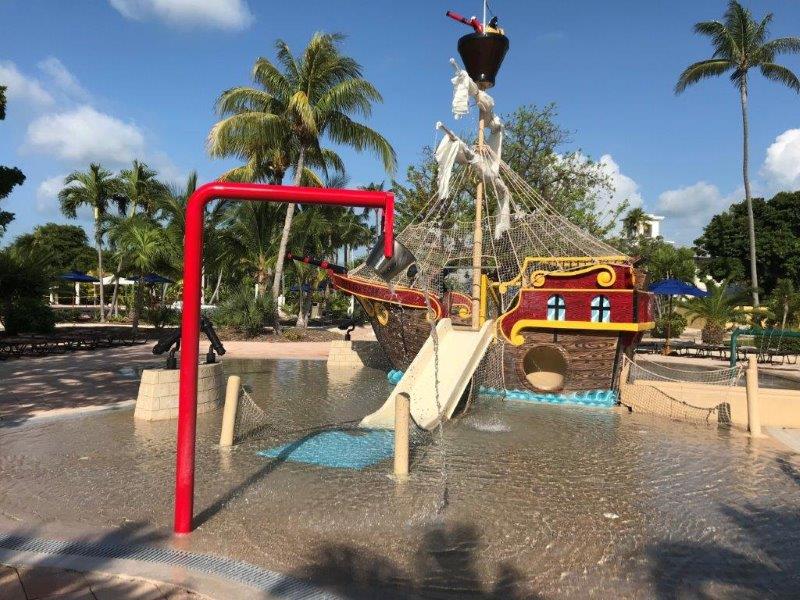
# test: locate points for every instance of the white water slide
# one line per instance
(459, 353)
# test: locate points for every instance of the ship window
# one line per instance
(601, 309)
(556, 308)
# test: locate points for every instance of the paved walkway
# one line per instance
(45, 583)
(46, 386)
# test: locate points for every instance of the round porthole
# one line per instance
(545, 368)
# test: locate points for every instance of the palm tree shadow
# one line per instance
(444, 566)
(767, 565)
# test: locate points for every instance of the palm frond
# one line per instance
(703, 69)
(245, 99)
(344, 130)
(351, 95)
(784, 45)
(781, 74)
(267, 75)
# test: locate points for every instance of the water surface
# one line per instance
(539, 500)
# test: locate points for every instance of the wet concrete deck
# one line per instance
(533, 501)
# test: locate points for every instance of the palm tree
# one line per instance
(248, 241)
(785, 301)
(299, 102)
(141, 189)
(145, 247)
(719, 308)
(740, 43)
(96, 188)
(634, 220)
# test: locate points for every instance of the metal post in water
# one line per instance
(753, 415)
(402, 416)
(229, 412)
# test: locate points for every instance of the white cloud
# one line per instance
(47, 195)
(21, 87)
(63, 78)
(85, 134)
(690, 208)
(781, 167)
(219, 14)
(625, 188)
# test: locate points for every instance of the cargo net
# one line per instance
(441, 238)
(281, 423)
(678, 392)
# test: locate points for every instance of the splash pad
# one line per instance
(547, 308)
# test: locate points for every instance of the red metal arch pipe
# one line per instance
(190, 321)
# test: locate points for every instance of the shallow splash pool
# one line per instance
(514, 500)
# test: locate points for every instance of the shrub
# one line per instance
(677, 325)
(160, 316)
(30, 315)
(244, 313)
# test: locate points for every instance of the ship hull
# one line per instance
(583, 360)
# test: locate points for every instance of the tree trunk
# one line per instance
(287, 225)
(746, 176)
(137, 304)
(302, 322)
(115, 295)
(216, 288)
(98, 241)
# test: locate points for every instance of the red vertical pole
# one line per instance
(388, 226)
(190, 342)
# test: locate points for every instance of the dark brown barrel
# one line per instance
(483, 53)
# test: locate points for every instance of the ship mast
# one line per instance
(482, 52)
(477, 245)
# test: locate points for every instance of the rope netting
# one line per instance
(273, 426)
(441, 237)
(677, 391)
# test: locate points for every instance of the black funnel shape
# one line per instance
(483, 53)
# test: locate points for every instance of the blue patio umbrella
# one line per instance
(672, 288)
(675, 287)
(78, 277)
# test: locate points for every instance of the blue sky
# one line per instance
(110, 80)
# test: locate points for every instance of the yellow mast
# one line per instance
(477, 247)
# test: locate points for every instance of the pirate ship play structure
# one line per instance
(548, 307)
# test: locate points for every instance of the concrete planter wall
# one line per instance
(158, 392)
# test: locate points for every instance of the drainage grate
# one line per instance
(239, 572)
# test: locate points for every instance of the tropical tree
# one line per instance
(299, 102)
(24, 281)
(725, 252)
(142, 241)
(9, 176)
(64, 247)
(141, 188)
(634, 220)
(740, 44)
(96, 188)
(248, 241)
(534, 147)
(785, 303)
(720, 307)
